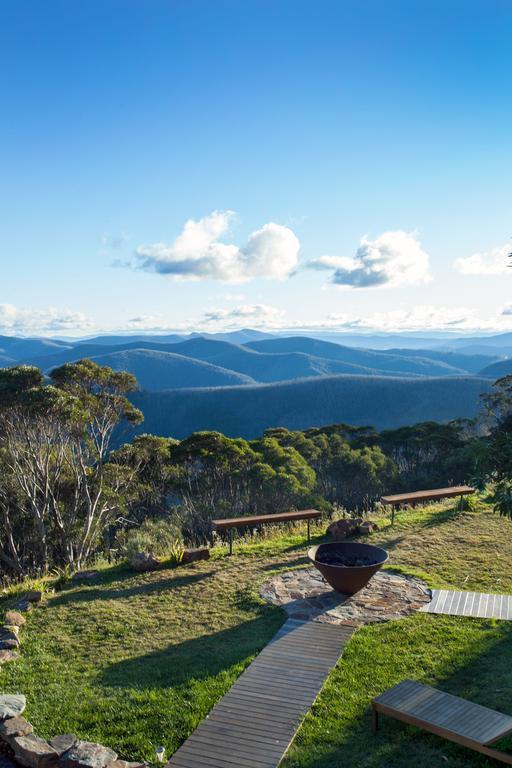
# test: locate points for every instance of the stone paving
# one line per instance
(305, 596)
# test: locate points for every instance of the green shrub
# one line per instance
(161, 537)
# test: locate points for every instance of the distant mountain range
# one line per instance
(244, 381)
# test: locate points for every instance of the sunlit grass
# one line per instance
(135, 661)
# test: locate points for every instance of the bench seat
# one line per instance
(464, 722)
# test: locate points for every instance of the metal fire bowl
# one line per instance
(348, 579)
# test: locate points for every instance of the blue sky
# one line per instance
(342, 164)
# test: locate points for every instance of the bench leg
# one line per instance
(375, 718)
(309, 532)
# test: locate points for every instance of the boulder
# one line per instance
(7, 656)
(85, 575)
(64, 742)
(11, 705)
(85, 754)
(144, 561)
(191, 555)
(14, 726)
(125, 764)
(14, 618)
(33, 752)
(342, 529)
(33, 596)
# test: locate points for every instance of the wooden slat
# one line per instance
(475, 604)
(278, 517)
(443, 713)
(253, 725)
(430, 495)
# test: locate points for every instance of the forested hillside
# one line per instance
(383, 402)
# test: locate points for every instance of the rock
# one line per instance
(11, 705)
(144, 561)
(367, 527)
(342, 529)
(14, 726)
(12, 628)
(14, 618)
(125, 764)
(192, 555)
(6, 656)
(8, 634)
(33, 752)
(6, 763)
(9, 644)
(85, 754)
(23, 605)
(85, 575)
(33, 596)
(63, 742)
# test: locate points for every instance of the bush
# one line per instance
(160, 537)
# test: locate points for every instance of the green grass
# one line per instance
(135, 661)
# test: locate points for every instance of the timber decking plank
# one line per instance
(253, 725)
(432, 494)
(444, 710)
(474, 604)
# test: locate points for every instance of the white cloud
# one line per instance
(418, 318)
(392, 259)
(25, 321)
(198, 254)
(493, 262)
(255, 315)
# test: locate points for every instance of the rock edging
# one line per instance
(63, 751)
(25, 747)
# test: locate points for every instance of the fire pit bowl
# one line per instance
(347, 566)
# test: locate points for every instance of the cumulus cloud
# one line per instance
(21, 320)
(392, 259)
(198, 253)
(494, 262)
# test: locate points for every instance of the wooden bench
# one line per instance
(448, 716)
(419, 497)
(230, 523)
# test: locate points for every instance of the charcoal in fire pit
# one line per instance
(344, 561)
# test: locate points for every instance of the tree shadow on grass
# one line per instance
(86, 595)
(486, 679)
(195, 659)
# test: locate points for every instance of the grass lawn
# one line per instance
(136, 661)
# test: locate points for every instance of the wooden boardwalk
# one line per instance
(253, 725)
(475, 604)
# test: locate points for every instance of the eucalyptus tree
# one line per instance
(55, 440)
(494, 453)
